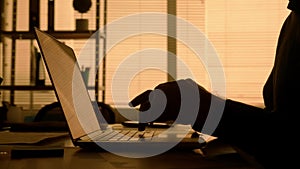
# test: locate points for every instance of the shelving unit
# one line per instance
(56, 34)
(15, 35)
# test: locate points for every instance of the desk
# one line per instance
(219, 156)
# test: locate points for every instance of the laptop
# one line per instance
(87, 127)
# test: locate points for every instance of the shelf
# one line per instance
(56, 34)
(25, 87)
(29, 34)
(28, 87)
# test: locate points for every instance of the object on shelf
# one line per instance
(85, 74)
(82, 6)
(37, 68)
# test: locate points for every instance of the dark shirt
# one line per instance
(294, 5)
(282, 87)
(269, 133)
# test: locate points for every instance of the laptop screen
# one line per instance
(70, 89)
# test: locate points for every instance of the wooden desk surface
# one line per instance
(222, 157)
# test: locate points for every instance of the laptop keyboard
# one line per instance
(149, 134)
(124, 135)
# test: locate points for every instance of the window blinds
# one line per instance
(243, 33)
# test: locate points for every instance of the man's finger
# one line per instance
(142, 98)
(145, 106)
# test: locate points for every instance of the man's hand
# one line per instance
(175, 97)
